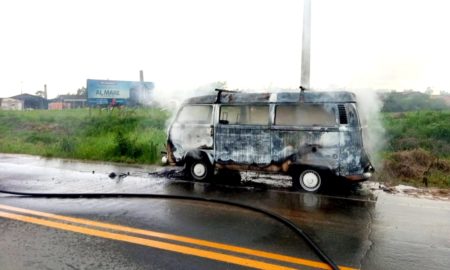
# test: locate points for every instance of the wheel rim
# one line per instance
(310, 180)
(199, 170)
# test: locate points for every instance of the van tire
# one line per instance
(309, 180)
(199, 169)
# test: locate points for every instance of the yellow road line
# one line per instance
(258, 253)
(147, 242)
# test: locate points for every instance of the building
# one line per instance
(56, 106)
(67, 102)
(11, 104)
(32, 102)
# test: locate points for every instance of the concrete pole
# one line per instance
(306, 45)
(141, 75)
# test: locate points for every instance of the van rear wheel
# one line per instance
(199, 169)
(308, 180)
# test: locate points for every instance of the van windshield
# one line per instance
(304, 115)
(195, 114)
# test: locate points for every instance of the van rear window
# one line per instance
(196, 114)
(244, 115)
(304, 115)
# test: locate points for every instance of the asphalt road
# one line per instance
(357, 228)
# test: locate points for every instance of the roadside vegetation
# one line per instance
(417, 152)
(412, 101)
(129, 135)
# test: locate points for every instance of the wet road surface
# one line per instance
(357, 228)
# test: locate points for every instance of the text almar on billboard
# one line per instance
(106, 92)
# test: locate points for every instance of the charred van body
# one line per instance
(309, 135)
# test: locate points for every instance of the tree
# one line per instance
(411, 101)
(81, 91)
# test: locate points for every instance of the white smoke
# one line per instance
(369, 106)
(171, 99)
(369, 109)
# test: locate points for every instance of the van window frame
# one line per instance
(266, 124)
(211, 118)
(300, 127)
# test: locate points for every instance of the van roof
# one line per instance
(282, 97)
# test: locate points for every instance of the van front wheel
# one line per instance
(308, 180)
(199, 169)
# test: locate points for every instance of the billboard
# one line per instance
(104, 92)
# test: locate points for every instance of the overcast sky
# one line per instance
(182, 44)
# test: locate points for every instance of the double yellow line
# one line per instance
(115, 232)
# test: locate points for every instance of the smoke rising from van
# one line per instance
(370, 105)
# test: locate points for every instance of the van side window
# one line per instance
(195, 114)
(244, 115)
(303, 115)
(352, 117)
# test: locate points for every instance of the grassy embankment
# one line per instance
(418, 148)
(135, 136)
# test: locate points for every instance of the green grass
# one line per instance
(418, 147)
(429, 130)
(130, 135)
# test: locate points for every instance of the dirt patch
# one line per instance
(43, 127)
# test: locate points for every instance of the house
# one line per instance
(11, 104)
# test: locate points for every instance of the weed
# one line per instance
(67, 145)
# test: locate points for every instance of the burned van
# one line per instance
(312, 136)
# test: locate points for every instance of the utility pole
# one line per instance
(306, 46)
(141, 76)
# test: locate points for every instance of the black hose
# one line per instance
(281, 219)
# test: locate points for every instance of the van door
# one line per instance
(307, 134)
(242, 135)
(192, 129)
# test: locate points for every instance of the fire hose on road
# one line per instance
(319, 252)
